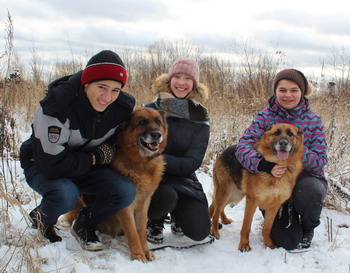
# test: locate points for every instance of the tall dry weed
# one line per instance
(238, 90)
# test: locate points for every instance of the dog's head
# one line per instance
(280, 141)
(144, 132)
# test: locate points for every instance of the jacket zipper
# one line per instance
(96, 120)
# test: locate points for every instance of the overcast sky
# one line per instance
(307, 32)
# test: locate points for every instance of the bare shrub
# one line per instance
(64, 68)
(238, 90)
(334, 109)
(145, 66)
(257, 69)
(339, 68)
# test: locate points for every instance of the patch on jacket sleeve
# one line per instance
(54, 133)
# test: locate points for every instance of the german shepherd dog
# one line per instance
(140, 143)
(282, 144)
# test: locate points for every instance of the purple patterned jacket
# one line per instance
(315, 151)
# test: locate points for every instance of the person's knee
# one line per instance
(130, 194)
(199, 234)
(288, 238)
(310, 191)
(287, 242)
(165, 195)
(65, 196)
(163, 201)
(124, 196)
(194, 219)
(286, 230)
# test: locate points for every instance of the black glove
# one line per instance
(266, 166)
(104, 153)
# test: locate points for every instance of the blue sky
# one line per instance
(307, 32)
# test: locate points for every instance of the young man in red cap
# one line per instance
(68, 151)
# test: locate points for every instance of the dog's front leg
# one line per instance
(217, 209)
(270, 216)
(141, 223)
(214, 214)
(127, 221)
(250, 207)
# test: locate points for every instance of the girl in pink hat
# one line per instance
(180, 94)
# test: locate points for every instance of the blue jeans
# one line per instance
(114, 192)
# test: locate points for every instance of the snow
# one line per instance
(327, 254)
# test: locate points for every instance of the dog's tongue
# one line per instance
(283, 155)
(153, 146)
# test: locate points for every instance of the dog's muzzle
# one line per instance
(151, 140)
(283, 147)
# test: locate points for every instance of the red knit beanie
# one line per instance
(292, 75)
(106, 65)
(186, 66)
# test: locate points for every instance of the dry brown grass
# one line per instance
(237, 93)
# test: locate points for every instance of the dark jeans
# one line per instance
(307, 199)
(114, 192)
(191, 213)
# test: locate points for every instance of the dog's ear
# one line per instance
(269, 128)
(300, 132)
(122, 126)
(163, 114)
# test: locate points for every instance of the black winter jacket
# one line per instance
(186, 146)
(66, 129)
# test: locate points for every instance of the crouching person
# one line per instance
(180, 194)
(69, 149)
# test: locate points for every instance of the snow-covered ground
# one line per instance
(330, 251)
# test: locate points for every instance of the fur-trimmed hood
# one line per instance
(162, 84)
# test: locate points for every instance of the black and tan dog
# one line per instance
(140, 142)
(282, 144)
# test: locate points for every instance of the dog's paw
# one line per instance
(215, 233)
(150, 256)
(270, 245)
(244, 247)
(226, 221)
(139, 257)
